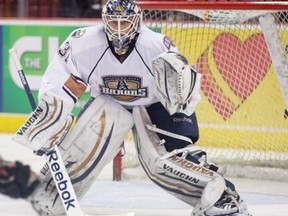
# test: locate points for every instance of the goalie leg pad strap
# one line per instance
(91, 144)
(188, 181)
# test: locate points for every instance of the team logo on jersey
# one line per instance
(79, 33)
(168, 42)
(124, 88)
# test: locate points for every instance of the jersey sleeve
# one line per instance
(59, 70)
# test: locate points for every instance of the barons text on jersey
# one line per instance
(123, 88)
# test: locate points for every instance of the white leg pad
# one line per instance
(47, 125)
(92, 143)
(188, 181)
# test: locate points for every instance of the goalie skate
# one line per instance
(229, 204)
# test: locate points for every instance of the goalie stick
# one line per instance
(54, 159)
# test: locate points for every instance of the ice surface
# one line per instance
(265, 198)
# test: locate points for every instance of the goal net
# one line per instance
(240, 48)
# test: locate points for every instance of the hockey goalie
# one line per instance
(137, 80)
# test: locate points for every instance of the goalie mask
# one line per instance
(122, 19)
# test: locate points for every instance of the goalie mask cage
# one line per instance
(240, 48)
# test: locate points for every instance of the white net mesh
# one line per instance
(241, 114)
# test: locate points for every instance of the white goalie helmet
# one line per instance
(122, 20)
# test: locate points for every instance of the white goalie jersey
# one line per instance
(86, 56)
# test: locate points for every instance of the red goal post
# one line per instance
(241, 49)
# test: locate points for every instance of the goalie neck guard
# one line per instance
(122, 19)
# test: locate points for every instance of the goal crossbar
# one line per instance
(179, 5)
